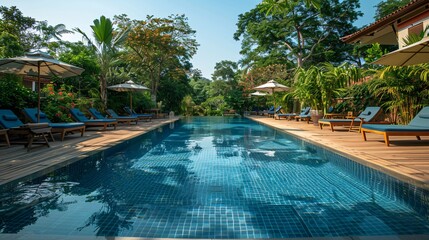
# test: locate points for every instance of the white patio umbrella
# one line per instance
(257, 93)
(271, 87)
(40, 64)
(415, 53)
(129, 86)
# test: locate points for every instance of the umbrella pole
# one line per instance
(38, 92)
(131, 102)
(274, 114)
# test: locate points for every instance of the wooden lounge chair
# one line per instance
(140, 116)
(419, 126)
(33, 133)
(273, 112)
(97, 115)
(128, 119)
(62, 128)
(290, 116)
(79, 116)
(304, 115)
(366, 116)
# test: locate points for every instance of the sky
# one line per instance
(214, 20)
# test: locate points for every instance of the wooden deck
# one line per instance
(406, 158)
(17, 163)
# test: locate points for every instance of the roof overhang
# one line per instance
(384, 31)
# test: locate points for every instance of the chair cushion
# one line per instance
(10, 117)
(66, 125)
(425, 116)
(42, 115)
(80, 114)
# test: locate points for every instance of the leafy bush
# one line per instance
(57, 103)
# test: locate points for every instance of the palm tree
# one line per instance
(106, 45)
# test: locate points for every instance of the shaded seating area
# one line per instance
(79, 116)
(26, 134)
(366, 116)
(97, 115)
(140, 116)
(61, 128)
(419, 126)
(118, 117)
(290, 116)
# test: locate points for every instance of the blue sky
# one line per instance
(214, 20)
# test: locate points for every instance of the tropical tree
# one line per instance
(387, 7)
(318, 86)
(297, 32)
(187, 105)
(106, 44)
(225, 70)
(159, 46)
(14, 23)
(48, 32)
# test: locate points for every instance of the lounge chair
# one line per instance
(267, 111)
(113, 114)
(289, 116)
(273, 112)
(140, 116)
(79, 116)
(304, 115)
(62, 128)
(30, 131)
(419, 126)
(366, 116)
(97, 115)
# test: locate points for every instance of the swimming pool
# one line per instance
(214, 178)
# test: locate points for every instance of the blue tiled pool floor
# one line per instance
(215, 178)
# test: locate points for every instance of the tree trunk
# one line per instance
(103, 91)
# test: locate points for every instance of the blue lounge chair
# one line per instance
(62, 128)
(366, 116)
(140, 116)
(267, 111)
(31, 131)
(79, 116)
(305, 115)
(291, 115)
(419, 126)
(128, 119)
(273, 112)
(97, 115)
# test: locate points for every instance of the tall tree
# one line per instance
(298, 31)
(14, 23)
(48, 32)
(225, 70)
(387, 7)
(160, 46)
(106, 45)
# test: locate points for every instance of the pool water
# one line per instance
(214, 178)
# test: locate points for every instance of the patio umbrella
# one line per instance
(41, 64)
(272, 86)
(128, 86)
(257, 93)
(415, 53)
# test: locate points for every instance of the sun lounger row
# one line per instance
(41, 128)
(367, 122)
